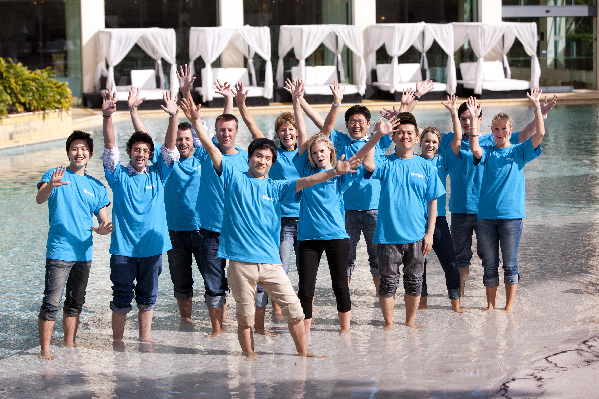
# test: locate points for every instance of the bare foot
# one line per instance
(118, 345)
(412, 325)
(186, 320)
(388, 327)
(489, 307)
(423, 305)
(70, 344)
(509, 309)
(308, 354)
(214, 334)
(149, 340)
(458, 309)
(344, 331)
(264, 332)
(250, 357)
(46, 355)
(277, 317)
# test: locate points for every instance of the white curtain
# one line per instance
(527, 34)
(404, 36)
(375, 38)
(352, 37)
(159, 44)
(423, 43)
(335, 44)
(443, 35)
(258, 40)
(208, 43)
(113, 46)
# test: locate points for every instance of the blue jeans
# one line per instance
(463, 225)
(134, 277)
(289, 242)
(58, 273)
(203, 246)
(443, 247)
(364, 222)
(496, 233)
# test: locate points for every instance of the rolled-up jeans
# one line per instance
(505, 234)
(463, 225)
(58, 273)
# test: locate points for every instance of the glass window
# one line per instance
(432, 11)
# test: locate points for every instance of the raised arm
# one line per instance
(530, 129)
(108, 108)
(297, 93)
(192, 112)
(248, 119)
(452, 107)
(534, 97)
(46, 187)
(474, 133)
(307, 108)
(185, 80)
(170, 107)
(381, 128)
(104, 226)
(341, 167)
(134, 101)
(423, 87)
(408, 101)
(224, 89)
(329, 122)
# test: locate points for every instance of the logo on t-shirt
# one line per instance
(417, 175)
(150, 187)
(87, 192)
(267, 198)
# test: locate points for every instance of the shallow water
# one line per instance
(452, 356)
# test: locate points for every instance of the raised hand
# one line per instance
(56, 179)
(408, 100)
(109, 103)
(191, 111)
(133, 101)
(104, 228)
(240, 93)
(337, 91)
(290, 85)
(298, 89)
(388, 114)
(452, 103)
(547, 106)
(386, 127)
(170, 102)
(224, 89)
(343, 167)
(473, 107)
(535, 96)
(424, 87)
(185, 79)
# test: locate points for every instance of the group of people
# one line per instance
(205, 198)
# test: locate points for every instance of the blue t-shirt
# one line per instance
(443, 165)
(211, 187)
(406, 187)
(363, 194)
(322, 215)
(284, 169)
(181, 195)
(466, 177)
(503, 193)
(71, 214)
(252, 226)
(139, 215)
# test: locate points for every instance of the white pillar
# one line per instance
(489, 11)
(230, 14)
(92, 20)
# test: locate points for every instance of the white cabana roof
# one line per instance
(115, 44)
(305, 39)
(486, 38)
(398, 38)
(208, 43)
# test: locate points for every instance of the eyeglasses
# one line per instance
(353, 122)
(138, 151)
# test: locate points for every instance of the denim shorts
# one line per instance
(364, 222)
(134, 278)
(391, 256)
(58, 274)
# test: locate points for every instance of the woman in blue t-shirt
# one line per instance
(442, 242)
(502, 197)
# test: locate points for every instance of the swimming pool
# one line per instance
(559, 242)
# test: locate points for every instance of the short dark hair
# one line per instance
(140, 137)
(184, 126)
(357, 109)
(79, 135)
(406, 118)
(463, 109)
(263, 144)
(226, 118)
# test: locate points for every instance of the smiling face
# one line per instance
(357, 126)
(465, 123)
(321, 155)
(502, 131)
(140, 154)
(226, 133)
(184, 143)
(405, 138)
(260, 162)
(78, 154)
(429, 145)
(287, 135)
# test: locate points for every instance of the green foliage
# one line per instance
(22, 90)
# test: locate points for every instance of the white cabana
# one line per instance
(499, 38)
(398, 38)
(208, 43)
(305, 39)
(115, 44)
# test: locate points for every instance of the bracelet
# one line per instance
(417, 98)
(473, 135)
(335, 170)
(452, 116)
(172, 115)
(472, 127)
(106, 116)
(336, 105)
(537, 107)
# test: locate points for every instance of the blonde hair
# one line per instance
(320, 138)
(433, 130)
(503, 117)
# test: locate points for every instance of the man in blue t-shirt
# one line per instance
(73, 199)
(140, 231)
(251, 231)
(410, 187)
